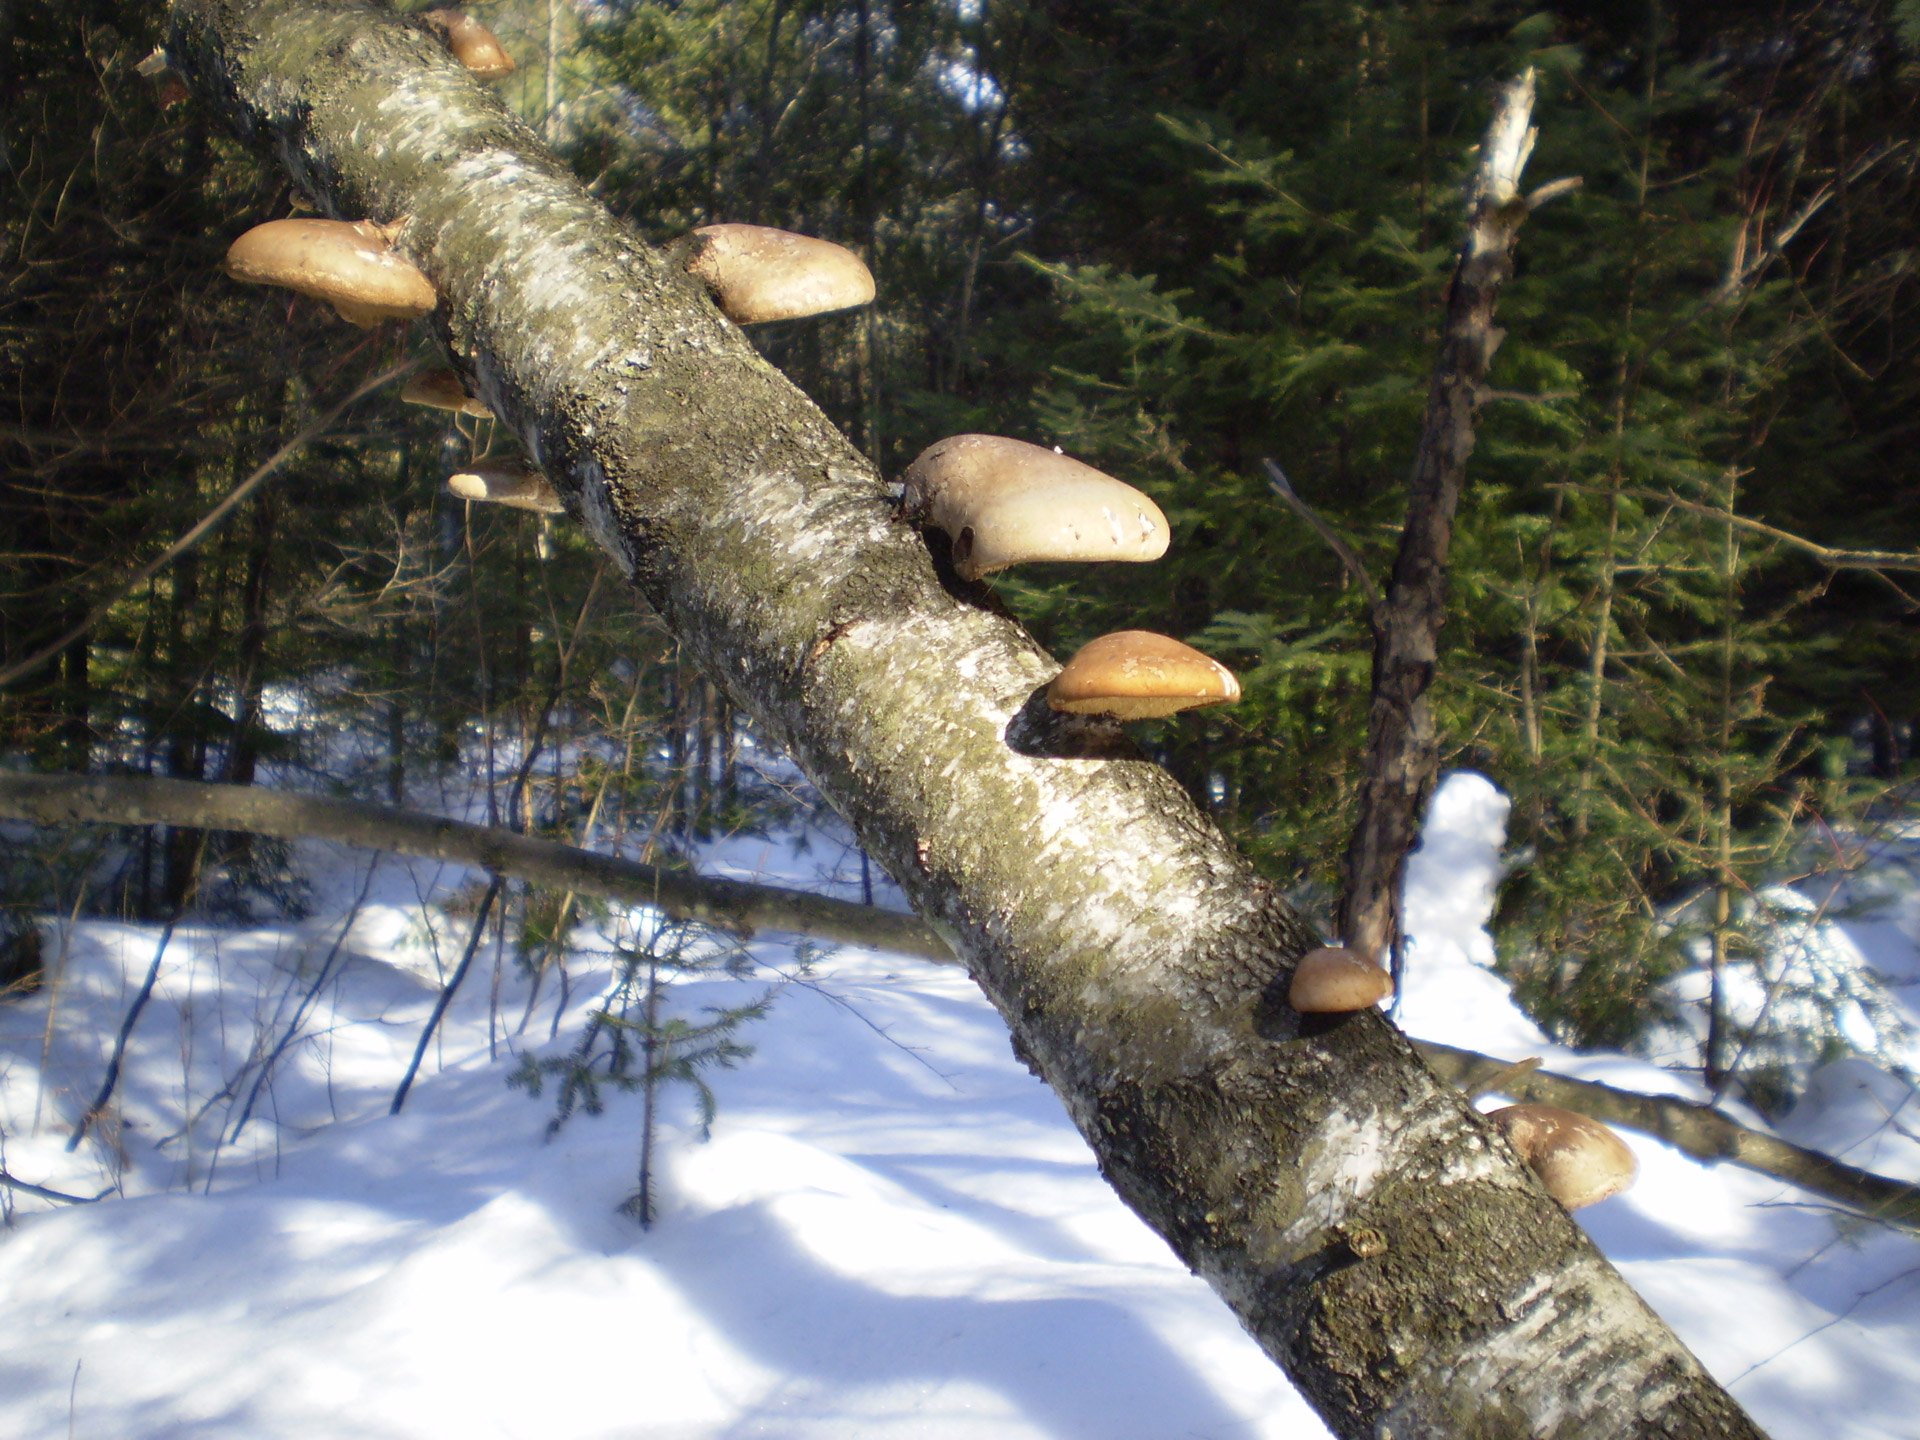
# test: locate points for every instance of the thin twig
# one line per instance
(304, 1008)
(447, 993)
(132, 1018)
(1901, 561)
(1740, 272)
(193, 537)
(1828, 1324)
(56, 979)
(27, 1187)
(854, 1010)
(1283, 487)
(140, 1001)
(1491, 1084)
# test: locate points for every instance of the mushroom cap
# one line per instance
(347, 263)
(472, 43)
(506, 482)
(1579, 1160)
(1005, 502)
(1137, 675)
(442, 390)
(759, 274)
(1334, 979)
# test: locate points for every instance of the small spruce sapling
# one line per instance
(632, 1042)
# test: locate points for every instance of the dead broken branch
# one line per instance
(1696, 1130)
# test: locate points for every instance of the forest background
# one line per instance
(1177, 240)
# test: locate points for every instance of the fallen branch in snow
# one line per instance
(27, 1187)
(740, 906)
(733, 905)
(1693, 1129)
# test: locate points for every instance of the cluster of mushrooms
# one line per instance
(1000, 502)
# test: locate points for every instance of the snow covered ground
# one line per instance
(893, 1231)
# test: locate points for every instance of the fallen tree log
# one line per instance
(1368, 1229)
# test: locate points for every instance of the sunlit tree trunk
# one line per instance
(1408, 1274)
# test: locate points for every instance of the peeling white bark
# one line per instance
(1408, 1273)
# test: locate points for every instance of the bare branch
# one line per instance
(1741, 271)
(1283, 487)
(199, 532)
(730, 904)
(1552, 191)
(1697, 1130)
(1899, 561)
(1487, 1084)
(27, 1187)
(1402, 749)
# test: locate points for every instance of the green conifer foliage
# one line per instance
(1650, 678)
(635, 1042)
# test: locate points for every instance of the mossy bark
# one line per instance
(1409, 1275)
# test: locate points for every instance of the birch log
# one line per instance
(1398, 1262)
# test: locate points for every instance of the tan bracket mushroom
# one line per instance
(1137, 675)
(506, 482)
(472, 43)
(1004, 502)
(757, 274)
(1579, 1160)
(442, 390)
(349, 264)
(1334, 979)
